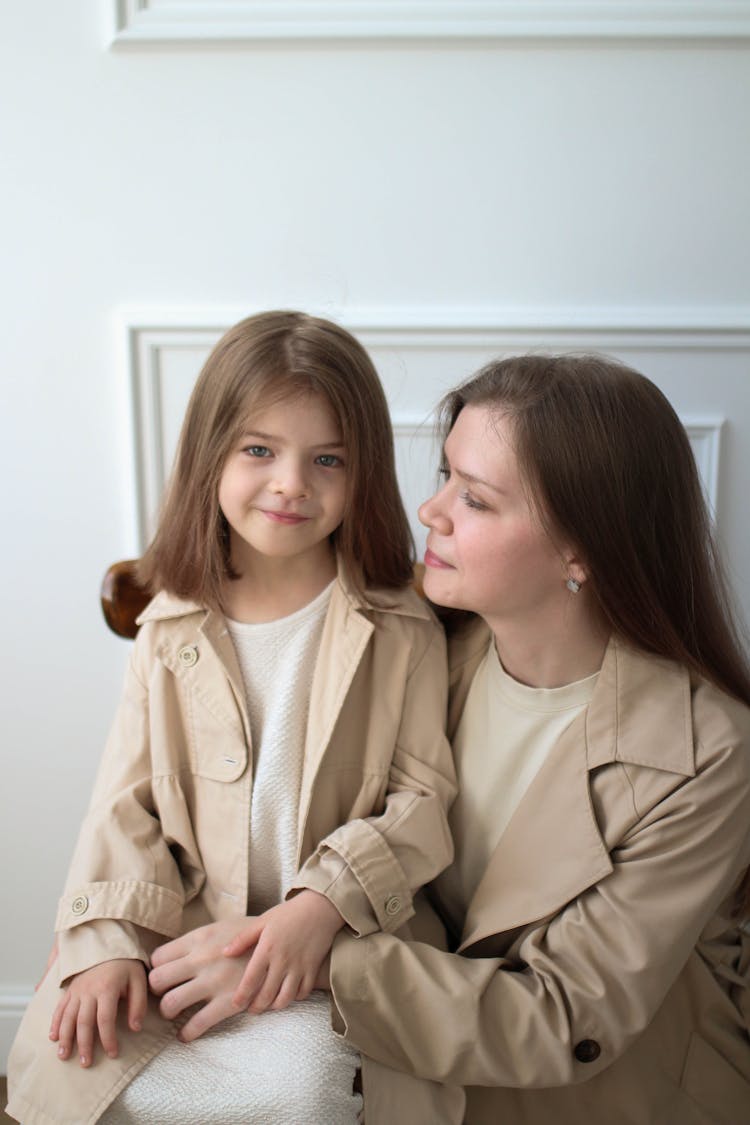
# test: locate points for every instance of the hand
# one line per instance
(91, 1001)
(193, 969)
(291, 942)
(50, 962)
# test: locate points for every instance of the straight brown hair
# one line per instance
(265, 359)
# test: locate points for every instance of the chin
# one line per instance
(438, 592)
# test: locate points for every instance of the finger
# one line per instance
(57, 1015)
(243, 942)
(252, 980)
(287, 993)
(268, 992)
(169, 975)
(204, 1019)
(307, 984)
(67, 1028)
(171, 950)
(106, 1014)
(178, 999)
(137, 1001)
(85, 1030)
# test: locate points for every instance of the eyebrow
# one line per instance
(335, 444)
(470, 478)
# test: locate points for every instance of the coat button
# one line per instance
(588, 1050)
(79, 905)
(393, 905)
(188, 656)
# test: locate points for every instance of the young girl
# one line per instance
(601, 724)
(278, 753)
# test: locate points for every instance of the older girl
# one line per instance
(279, 752)
(600, 722)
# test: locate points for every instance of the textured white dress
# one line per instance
(281, 1068)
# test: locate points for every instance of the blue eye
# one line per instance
(328, 460)
(257, 450)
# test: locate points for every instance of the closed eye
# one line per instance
(471, 502)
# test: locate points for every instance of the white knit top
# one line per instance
(277, 661)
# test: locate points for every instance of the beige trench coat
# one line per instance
(602, 979)
(164, 847)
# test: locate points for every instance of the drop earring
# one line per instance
(573, 585)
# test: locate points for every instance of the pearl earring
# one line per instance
(573, 586)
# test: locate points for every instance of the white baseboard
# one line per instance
(13, 1004)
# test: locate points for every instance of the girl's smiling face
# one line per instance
(487, 550)
(283, 486)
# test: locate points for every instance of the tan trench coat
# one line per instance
(602, 979)
(164, 847)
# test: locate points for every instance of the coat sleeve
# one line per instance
(598, 970)
(125, 885)
(370, 868)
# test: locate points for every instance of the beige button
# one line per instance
(188, 656)
(79, 905)
(393, 905)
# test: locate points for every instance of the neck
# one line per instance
(552, 654)
(269, 589)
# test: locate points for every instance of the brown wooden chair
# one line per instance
(123, 599)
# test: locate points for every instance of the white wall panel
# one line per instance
(418, 362)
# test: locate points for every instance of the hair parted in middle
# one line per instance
(264, 360)
(608, 468)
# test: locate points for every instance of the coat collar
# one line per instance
(636, 692)
(552, 849)
(404, 603)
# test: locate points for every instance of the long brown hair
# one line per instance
(608, 467)
(260, 361)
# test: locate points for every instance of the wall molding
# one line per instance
(190, 21)
(165, 349)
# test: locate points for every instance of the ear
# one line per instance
(575, 567)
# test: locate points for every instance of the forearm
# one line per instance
(370, 869)
(473, 1022)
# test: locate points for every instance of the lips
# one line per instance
(434, 561)
(289, 518)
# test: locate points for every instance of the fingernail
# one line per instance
(84, 1060)
(137, 1025)
(61, 1052)
(112, 1054)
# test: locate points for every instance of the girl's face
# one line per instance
(487, 551)
(283, 486)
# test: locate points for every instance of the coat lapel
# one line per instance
(346, 634)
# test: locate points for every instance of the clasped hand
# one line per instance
(288, 947)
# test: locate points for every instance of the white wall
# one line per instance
(589, 190)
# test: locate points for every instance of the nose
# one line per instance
(433, 514)
(290, 479)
